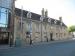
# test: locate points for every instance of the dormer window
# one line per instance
(29, 15)
(55, 21)
(41, 18)
(49, 20)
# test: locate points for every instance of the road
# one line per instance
(55, 49)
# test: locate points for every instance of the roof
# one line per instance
(34, 16)
(37, 17)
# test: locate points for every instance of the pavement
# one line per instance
(52, 42)
(63, 48)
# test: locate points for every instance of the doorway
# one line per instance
(51, 36)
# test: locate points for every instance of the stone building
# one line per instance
(31, 28)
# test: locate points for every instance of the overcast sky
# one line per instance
(56, 8)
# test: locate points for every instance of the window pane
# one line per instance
(0, 12)
(3, 10)
(27, 26)
(3, 18)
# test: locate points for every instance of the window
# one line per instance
(44, 27)
(56, 34)
(64, 34)
(37, 27)
(20, 27)
(3, 17)
(29, 26)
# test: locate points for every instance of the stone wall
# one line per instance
(55, 31)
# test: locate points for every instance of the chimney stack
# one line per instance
(60, 18)
(43, 12)
(46, 13)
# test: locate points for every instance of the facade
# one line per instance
(32, 28)
(22, 27)
(6, 20)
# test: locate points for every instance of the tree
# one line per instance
(71, 29)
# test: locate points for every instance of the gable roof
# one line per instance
(36, 17)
